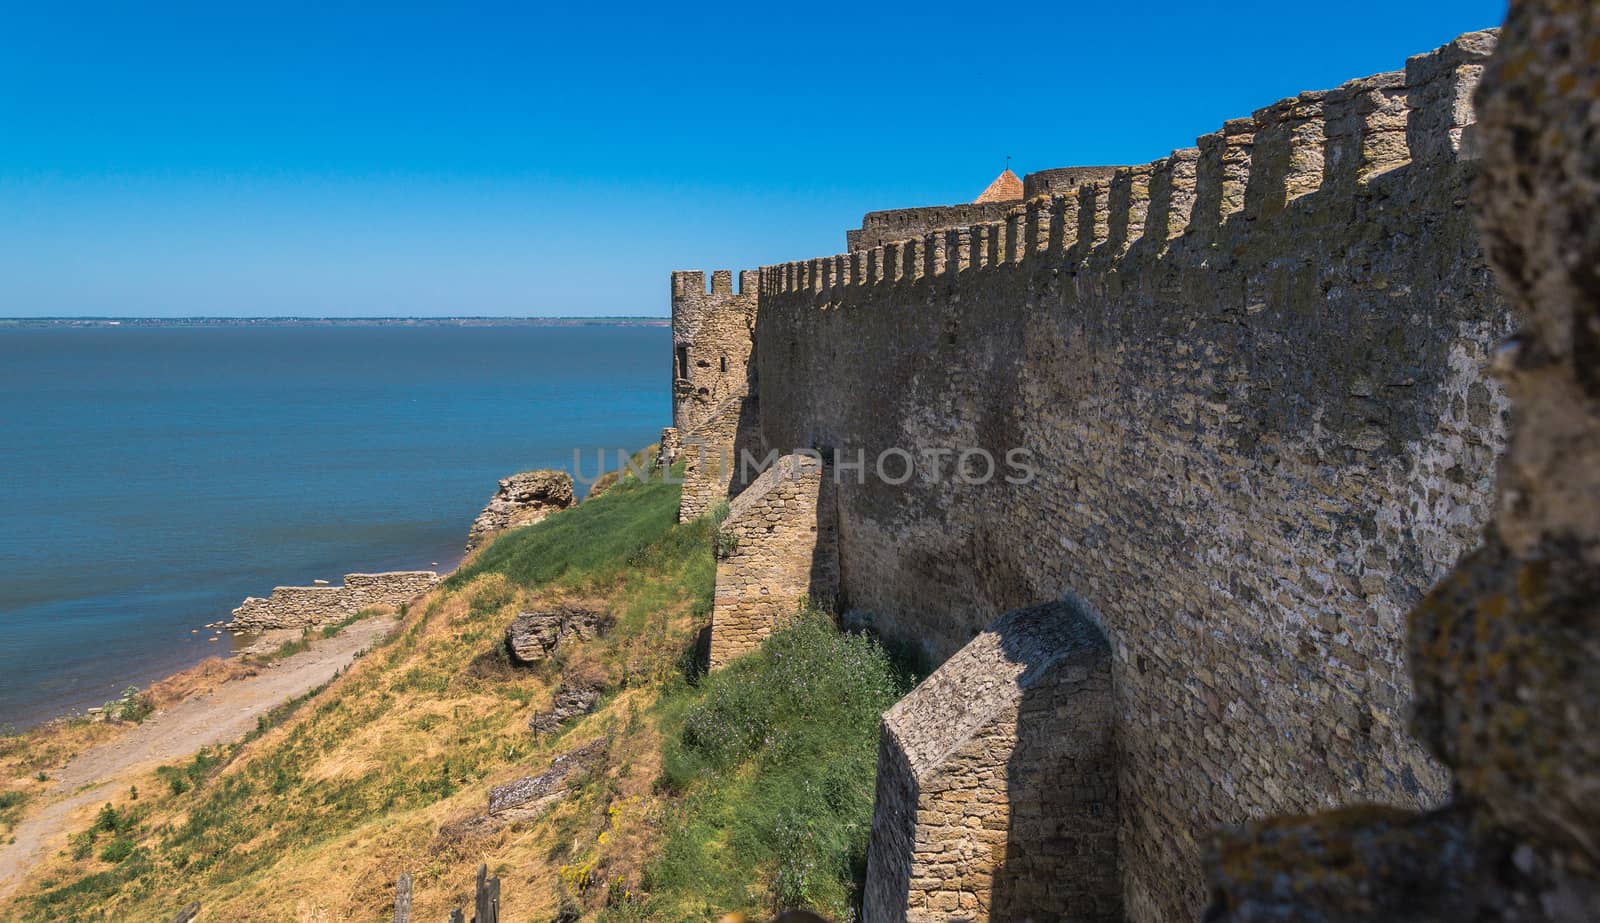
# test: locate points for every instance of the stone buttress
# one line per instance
(997, 781)
(777, 549)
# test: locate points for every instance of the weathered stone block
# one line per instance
(989, 801)
(534, 636)
(534, 792)
(521, 500)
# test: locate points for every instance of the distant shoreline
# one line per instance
(247, 453)
(101, 322)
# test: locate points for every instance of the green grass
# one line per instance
(298, 645)
(629, 527)
(11, 803)
(333, 628)
(241, 818)
(285, 650)
(772, 761)
(763, 800)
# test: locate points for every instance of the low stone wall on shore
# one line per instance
(308, 606)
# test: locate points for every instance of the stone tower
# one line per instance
(712, 338)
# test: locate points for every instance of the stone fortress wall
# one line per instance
(896, 224)
(1502, 650)
(777, 547)
(1064, 180)
(309, 606)
(881, 227)
(1252, 377)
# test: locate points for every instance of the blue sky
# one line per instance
(270, 159)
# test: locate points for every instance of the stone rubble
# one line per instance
(534, 636)
(521, 500)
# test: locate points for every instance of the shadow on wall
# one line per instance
(747, 437)
(996, 792)
(823, 592)
(1061, 858)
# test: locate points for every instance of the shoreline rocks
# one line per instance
(522, 500)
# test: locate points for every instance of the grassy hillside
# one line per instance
(746, 790)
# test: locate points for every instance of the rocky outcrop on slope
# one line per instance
(534, 792)
(603, 483)
(572, 700)
(534, 635)
(522, 500)
(523, 798)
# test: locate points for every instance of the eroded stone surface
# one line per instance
(534, 792)
(521, 500)
(533, 637)
(572, 700)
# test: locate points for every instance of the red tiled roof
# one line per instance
(1005, 188)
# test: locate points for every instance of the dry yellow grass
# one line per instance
(30, 759)
(316, 816)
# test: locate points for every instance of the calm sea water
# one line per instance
(151, 478)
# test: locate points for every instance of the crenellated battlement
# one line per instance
(710, 341)
(689, 283)
(1331, 142)
(712, 335)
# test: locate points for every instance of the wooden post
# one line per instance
(487, 905)
(402, 899)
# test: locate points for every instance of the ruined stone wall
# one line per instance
(711, 401)
(1251, 376)
(881, 227)
(996, 790)
(712, 470)
(777, 547)
(710, 343)
(309, 606)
